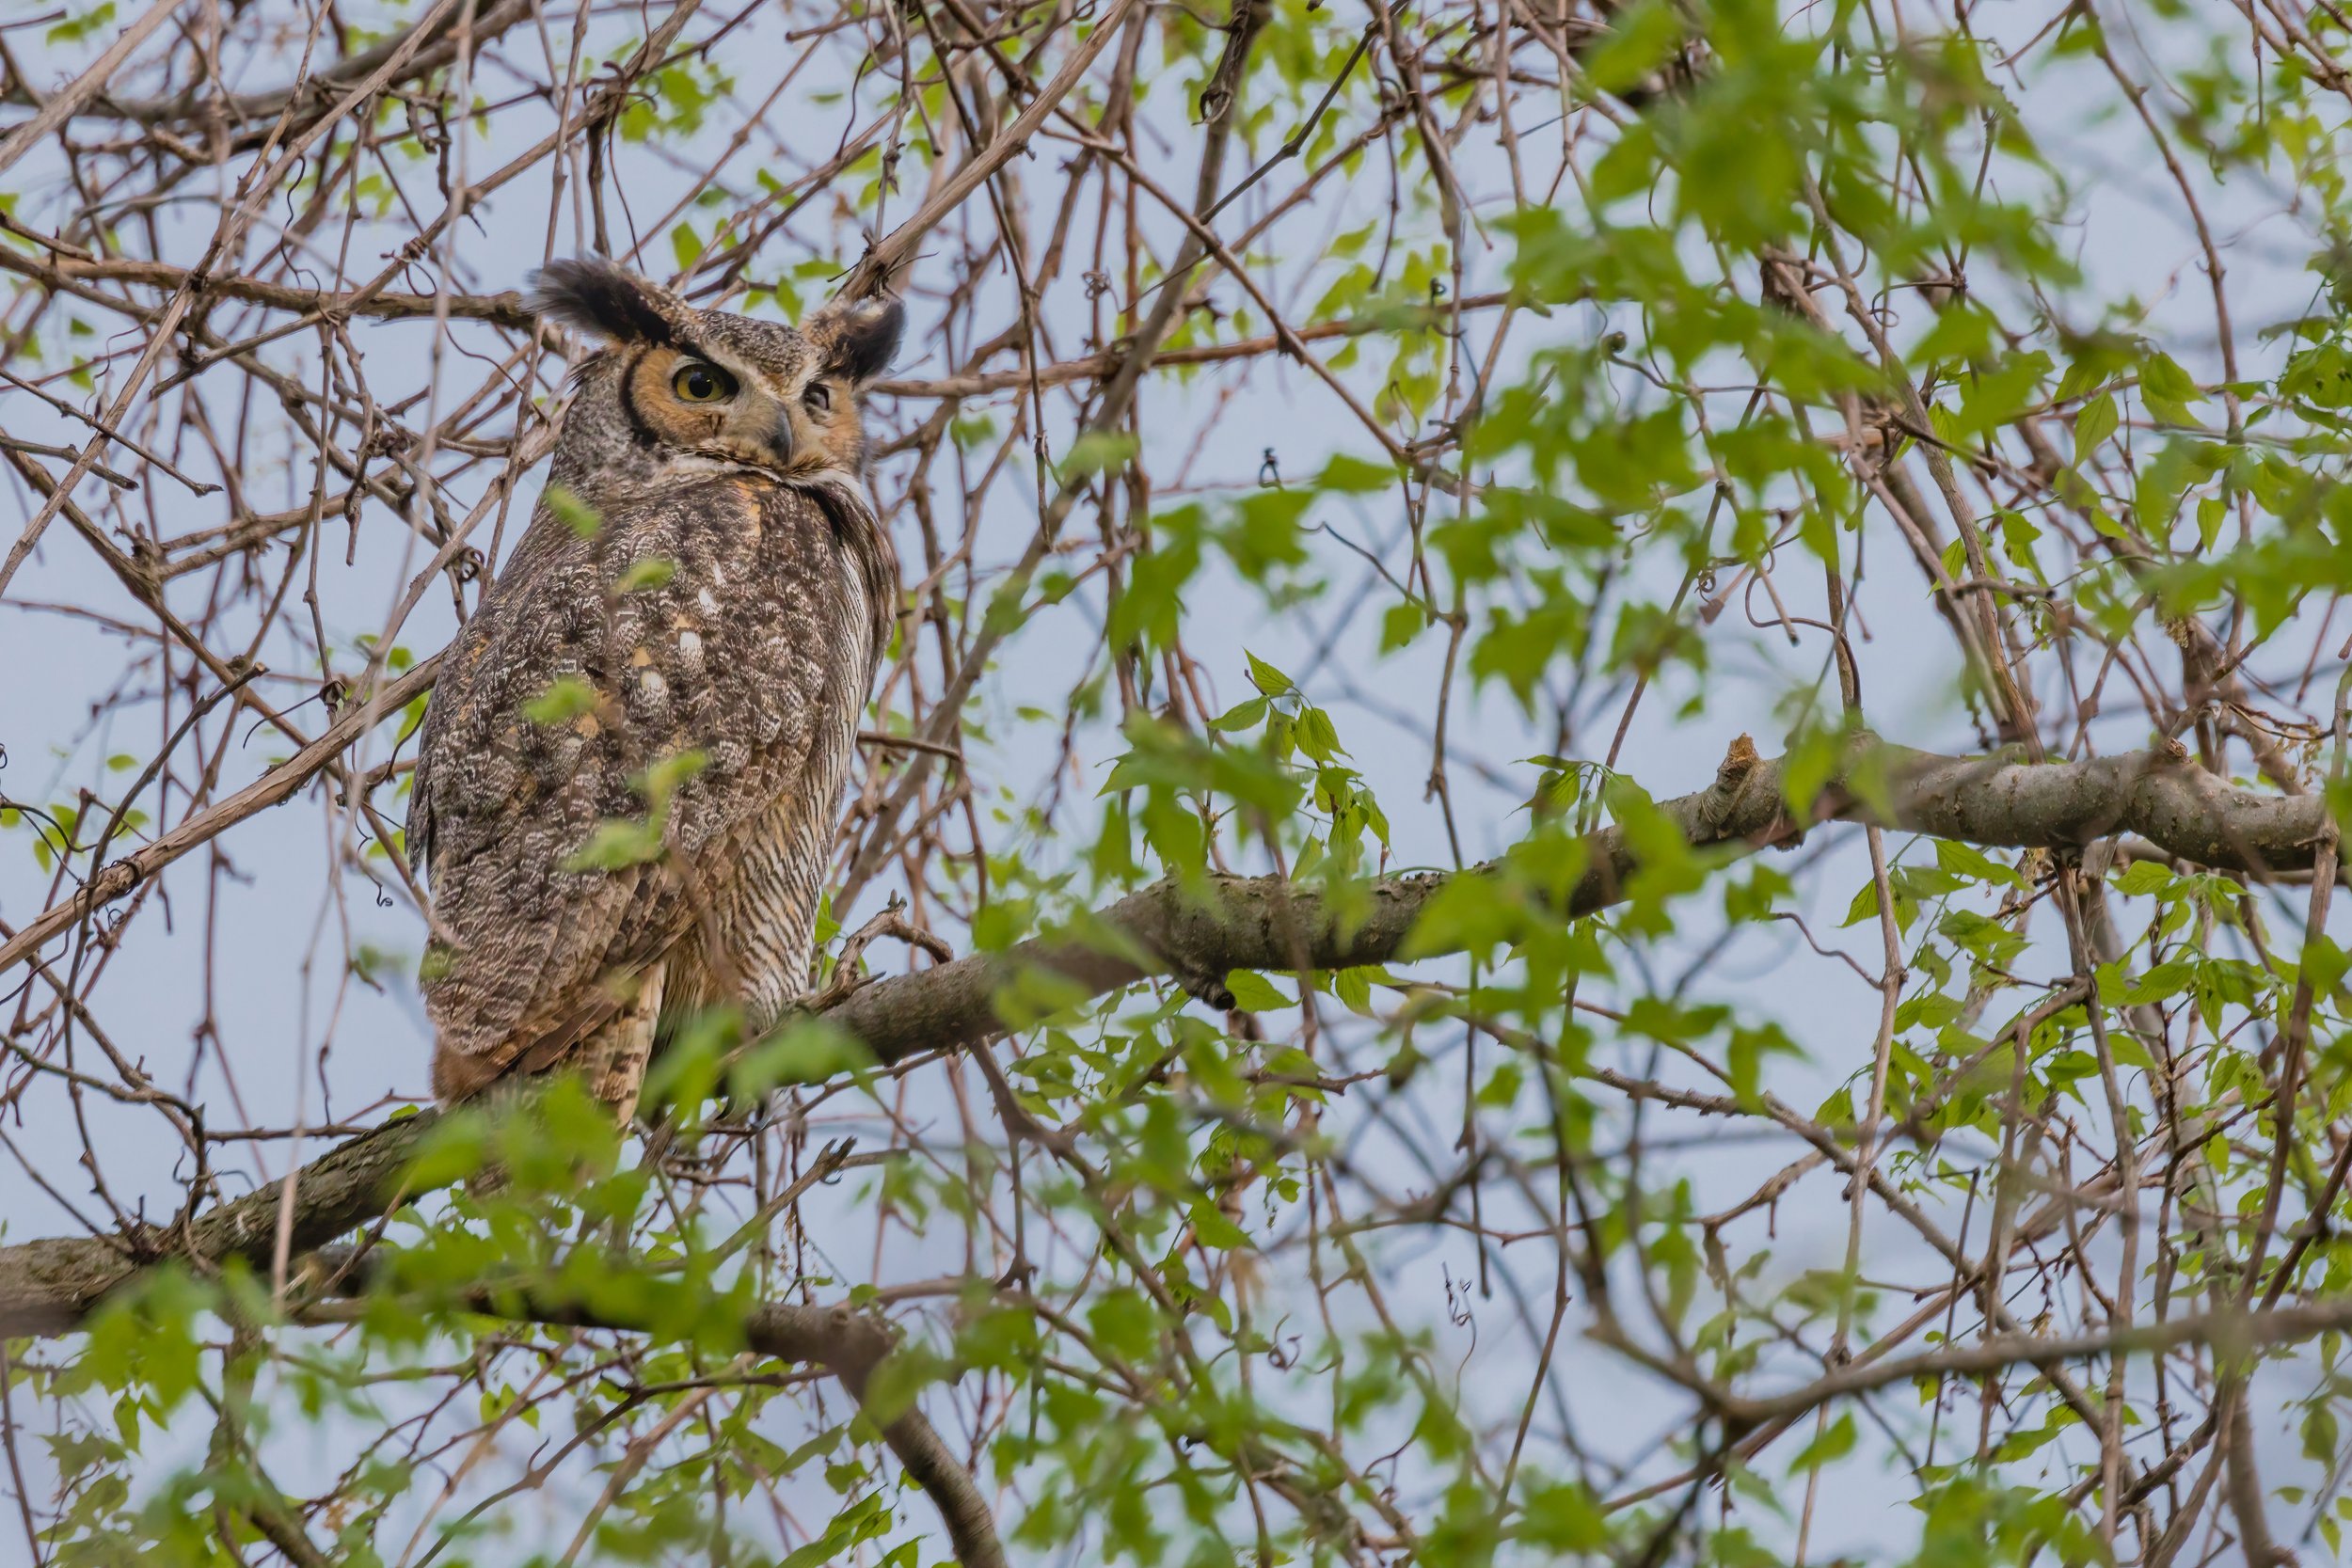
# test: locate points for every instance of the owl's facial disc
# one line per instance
(709, 408)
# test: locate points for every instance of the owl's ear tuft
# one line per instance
(605, 298)
(856, 338)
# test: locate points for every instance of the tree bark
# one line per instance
(1264, 923)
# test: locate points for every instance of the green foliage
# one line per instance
(567, 697)
(619, 842)
(572, 512)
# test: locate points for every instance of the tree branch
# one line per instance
(882, 265)
(502, 309)
(850, 1346)
(2238, 1332)
(275, 787)
(88, 95)
(847, 1343)
(64, 105)
(47, 1286)
(1264, 923)
(507, 309)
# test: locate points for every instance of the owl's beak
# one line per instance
(779, 441)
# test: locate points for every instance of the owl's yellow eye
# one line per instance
(697, 382)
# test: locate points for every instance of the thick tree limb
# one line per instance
(850, 1346)
(1263, 923)
(47, 1287)
(1256, 922)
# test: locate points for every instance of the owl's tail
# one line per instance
(612, 1059)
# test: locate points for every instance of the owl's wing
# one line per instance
(506, 792)
(708, 622)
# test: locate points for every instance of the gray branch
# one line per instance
(1264, 923)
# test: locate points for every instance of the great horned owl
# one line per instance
(629, 778)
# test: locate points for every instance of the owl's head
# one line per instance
(678, 386)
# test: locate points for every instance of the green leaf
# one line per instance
(567, 697)
(2168, 390)
(1810, 764)
(1400, 624)
(2164, 980)
(1962, 859)
(1215, 1228)
(2323, 963)
(654, 571)
(1254, 993)
(2143, 877)
(1564, 1518)
(808, 1051)
(1099, 451)
(661, 780)
(83, 27)
(1830, 1446)
(615, 845)
(1316, 737)
(1353, 476)
(574, 514)
(1641, 38)
(1267, 678)
(2095, 425)
(1241, 715)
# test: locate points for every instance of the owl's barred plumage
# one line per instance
(685, 638)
